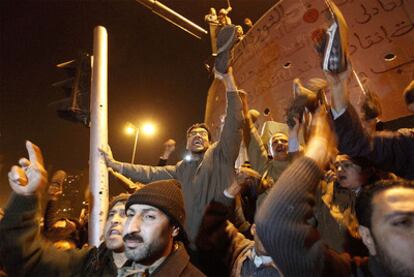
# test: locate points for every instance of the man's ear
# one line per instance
(367, 239)
(253, 229)
(176, 231)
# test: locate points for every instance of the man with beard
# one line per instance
(154, 232)
(210, 168)
(385, 213)
(24, 252)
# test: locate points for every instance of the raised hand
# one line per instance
(107, 154)
(109, 158)
(227, 79)
(322, 142)
(30, 177)
(169, 147)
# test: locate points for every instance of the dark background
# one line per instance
(156, 73)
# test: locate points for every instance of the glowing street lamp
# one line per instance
(148, 129)
(130, 129)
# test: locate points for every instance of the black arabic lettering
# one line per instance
(376, 11)
(385, 33)
(265, 29)
(370, 39)
(273, 22)
(402, 29)
(264, 34)
(256, 38)
(367, 16)
(352, 49)
(361, 43)
(389, 6)
(392, 68)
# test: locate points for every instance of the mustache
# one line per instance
(280, 148)
(133, 236)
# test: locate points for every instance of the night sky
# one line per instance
(156, 73)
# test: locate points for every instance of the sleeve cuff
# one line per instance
(228, 195)
(293, 145)
(337, 114)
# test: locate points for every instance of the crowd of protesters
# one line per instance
(320, 195)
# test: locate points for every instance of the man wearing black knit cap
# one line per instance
(154, 233)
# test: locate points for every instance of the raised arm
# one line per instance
(138, 173)
(23, 251)
(338, 84)
(256, 151)
(294, 244)
(128, 185)
(353, 140)
(230, 139)
(387, 151)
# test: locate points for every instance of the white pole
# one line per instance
(98, 173)
(135, 145)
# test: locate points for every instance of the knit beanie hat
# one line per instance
(165, 195)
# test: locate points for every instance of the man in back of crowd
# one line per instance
(154, 236)
(283, 145)
(385, 214)
(25, 253)
(335, 204)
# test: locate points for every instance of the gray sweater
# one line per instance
(205, 179)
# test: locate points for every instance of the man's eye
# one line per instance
(403, 222)
(129, 214)
(149, 217)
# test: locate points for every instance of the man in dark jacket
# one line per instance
(386, 213)
(154, 232)
(389, 151)
(24, 252)
(227, 251)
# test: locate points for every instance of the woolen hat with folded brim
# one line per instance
(165, 195)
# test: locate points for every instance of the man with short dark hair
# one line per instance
(154, 235)
(210, 167)
(25, 253)
(385, 212)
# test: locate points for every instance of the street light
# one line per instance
(130, 129)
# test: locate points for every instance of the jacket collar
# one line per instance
(175, 263)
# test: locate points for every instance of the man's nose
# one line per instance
(134, 225)
(116, 219)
